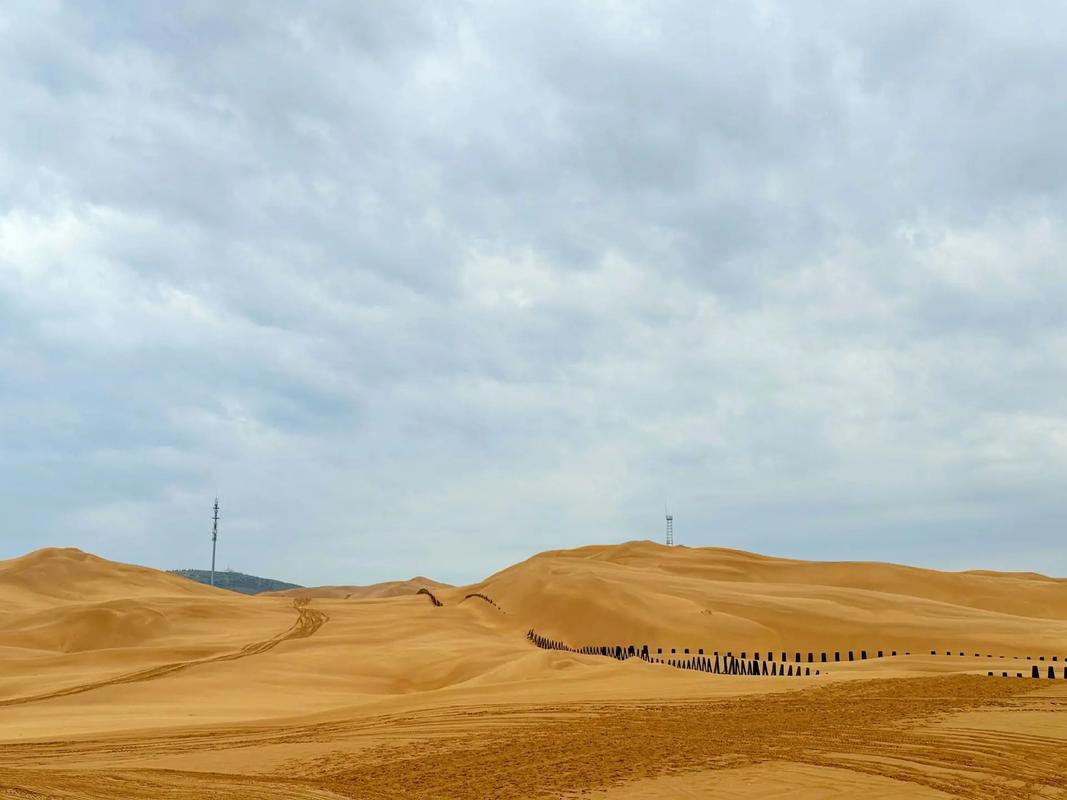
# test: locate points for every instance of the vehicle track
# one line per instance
(308, 621)
(903, 729)
(877, 727)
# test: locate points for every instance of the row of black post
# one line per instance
(727, 664)
(732, 665)
(1035, 672)
(1028, 658)
(431, 595)
(487, 599)
(798, 657)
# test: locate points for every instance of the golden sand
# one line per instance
(118, 681)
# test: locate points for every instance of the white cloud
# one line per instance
(401, 283)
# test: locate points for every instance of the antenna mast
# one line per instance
(670, 526)
(214, 538)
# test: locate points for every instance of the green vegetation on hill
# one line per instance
(236, 581)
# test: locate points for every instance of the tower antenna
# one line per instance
(214, 538)
(670, 526)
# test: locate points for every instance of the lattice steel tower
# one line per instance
(670, 526)
(214, 538)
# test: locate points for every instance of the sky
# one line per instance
(427, 288)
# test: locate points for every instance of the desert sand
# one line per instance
(383, 589)
(118, 681)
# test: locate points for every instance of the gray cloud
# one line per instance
(427, 291)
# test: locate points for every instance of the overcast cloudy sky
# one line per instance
(430, 287)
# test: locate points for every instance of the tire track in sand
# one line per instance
(308, 621)
(904, 729)
(901, 729)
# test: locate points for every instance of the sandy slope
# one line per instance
(57, 575)
(726, 599)
(120, 676)
(384, 589)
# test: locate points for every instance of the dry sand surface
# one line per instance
(384, 589)
(119, 681)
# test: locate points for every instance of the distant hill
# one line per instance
(235, 581)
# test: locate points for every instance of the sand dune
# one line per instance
(642, 592)
(114, 623)
(150, 685)
(55, 575)
(383, 589)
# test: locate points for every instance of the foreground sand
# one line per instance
(117, 681)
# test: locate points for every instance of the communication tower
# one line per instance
(214, 538)
(670, 526)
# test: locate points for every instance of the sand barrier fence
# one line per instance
(729, 663)
(714, 663)
(431, 595)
